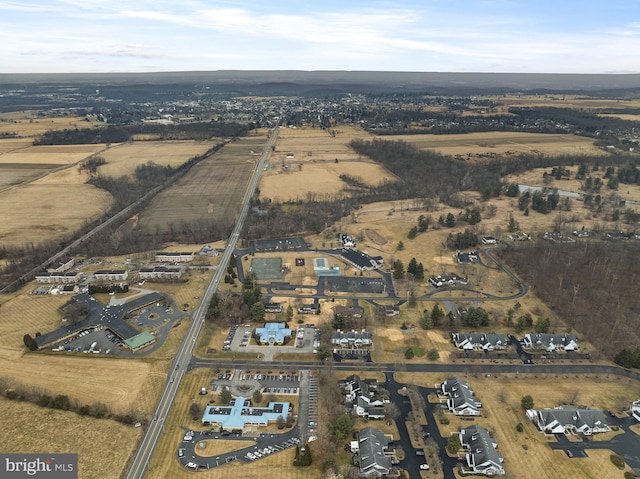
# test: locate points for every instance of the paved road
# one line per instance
(185, 352)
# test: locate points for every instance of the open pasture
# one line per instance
(103, 446)
(29, 124)
(211, 192)
(122, 159)
(478, 145)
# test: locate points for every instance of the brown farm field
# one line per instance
(473, 145)
(51, 207)
(211, 192)
(29, 124)
(527, 454)
(122, 159)
(305, 162)
(27, 428)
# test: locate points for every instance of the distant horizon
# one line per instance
(492, 36)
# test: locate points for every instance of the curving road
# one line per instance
(185, 351)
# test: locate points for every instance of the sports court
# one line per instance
(267, 268)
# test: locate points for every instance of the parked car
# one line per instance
(424, 467)
(569, 453)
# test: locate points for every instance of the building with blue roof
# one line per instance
(239, 413)
(273, 334)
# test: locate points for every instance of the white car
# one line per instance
(424, 467)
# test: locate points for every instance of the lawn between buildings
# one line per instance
(527, 454)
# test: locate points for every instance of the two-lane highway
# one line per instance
(183, 356)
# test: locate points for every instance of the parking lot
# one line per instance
(91, 340)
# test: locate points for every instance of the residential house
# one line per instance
(272, 307)
(309, 309)
(362, 396)
(481, 456)
(351, 339)
(466, 257)
(635, 409)
(551, 342)
(564, 419)
(489, 240)
(372, 453)
(347, 241)
(484, 341)
(460, 398)
(450, 279)
(519, 236)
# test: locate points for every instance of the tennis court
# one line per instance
(267, 268)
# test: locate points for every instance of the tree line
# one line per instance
(124, 133)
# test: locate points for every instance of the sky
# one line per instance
(520, 36)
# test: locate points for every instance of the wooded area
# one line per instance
(592, 286)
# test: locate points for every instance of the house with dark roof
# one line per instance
(481, 455)
(372, 455)
(111, 275)
(450, 279)
(55, 277)
(160, 272)
(466, 257)
(551, 342)
(351, 339)
(272, 307)
(460, 398)
(360, 260)
(362, 396)
(61, 266)
(635, 409)
(174, 257)
(563, 419)
(484, 341)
